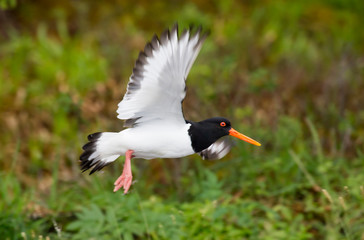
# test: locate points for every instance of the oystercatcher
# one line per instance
(152, 110)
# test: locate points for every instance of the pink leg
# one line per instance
(126, 177)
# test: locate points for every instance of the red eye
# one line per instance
(223, 124)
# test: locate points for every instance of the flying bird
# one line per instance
(152, 109)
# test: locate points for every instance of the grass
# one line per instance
(212, 205)
(290, 79)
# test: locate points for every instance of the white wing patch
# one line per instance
(217, 150)
(157, 86)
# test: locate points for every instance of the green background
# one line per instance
(286, 73)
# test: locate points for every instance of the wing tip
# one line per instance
(148, 50)
(165, 36)
(174, 30)
(201, 34)
(155, 42)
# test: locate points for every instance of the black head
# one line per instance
(218, 126)
(208, 131)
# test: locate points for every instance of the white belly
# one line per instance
(164, 141)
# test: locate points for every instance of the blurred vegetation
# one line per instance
(287, 73)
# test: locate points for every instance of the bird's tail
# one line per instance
(98, 151)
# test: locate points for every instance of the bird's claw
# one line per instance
(124, 181)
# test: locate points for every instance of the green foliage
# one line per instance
(43, 80)
(154, 219)
(7, 4)
(67, 63)
(287, 73)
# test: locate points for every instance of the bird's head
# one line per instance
(206, 132)
(220, 127)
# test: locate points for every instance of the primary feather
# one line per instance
(157, 86)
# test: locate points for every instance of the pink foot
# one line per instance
(126, 177)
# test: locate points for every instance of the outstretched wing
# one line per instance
(157, 86)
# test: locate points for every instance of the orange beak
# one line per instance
(237, 134)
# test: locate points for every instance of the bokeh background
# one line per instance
(287, 73)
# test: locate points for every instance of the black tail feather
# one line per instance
(94, 136)
(98, 166)
(89, 148)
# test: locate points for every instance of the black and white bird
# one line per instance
(152, 110)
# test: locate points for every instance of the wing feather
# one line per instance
(157, 86)
(217, 150)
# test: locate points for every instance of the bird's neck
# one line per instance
(201, 137)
